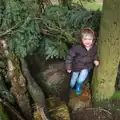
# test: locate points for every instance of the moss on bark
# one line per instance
(108, 50)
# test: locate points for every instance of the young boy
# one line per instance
(81, 58)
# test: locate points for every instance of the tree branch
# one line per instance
(15, 26)
(11, 109)
(10, 29)
(81, 3)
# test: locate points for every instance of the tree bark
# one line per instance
(108, 50)
(65, 2)
(3, 116)
(4, 91)
(34, 90)
(13, 113)
(18, 82)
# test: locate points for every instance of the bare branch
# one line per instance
(10, 29)
(12, 109)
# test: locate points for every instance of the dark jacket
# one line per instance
(79, 58)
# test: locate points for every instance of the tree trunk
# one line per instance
(3, 116)
(34, 90)
(50, 76)
(18, 82)
(108, 50)
(11, 110)
(4, 91)
(65, 2)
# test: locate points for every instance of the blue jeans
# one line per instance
(78, 77)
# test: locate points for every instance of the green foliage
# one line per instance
(26, 38)
(22, 14)
(60, 24)
(4, 90)
(91, 0)
(49, 49)
(116, 96)
(1, 11)
(50, 32)
(79, 18)
(55, 12)
(3, 115)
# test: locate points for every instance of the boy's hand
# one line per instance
(69, 71)
(96, 62)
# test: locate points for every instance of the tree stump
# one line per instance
(80, 101)
(58, 109)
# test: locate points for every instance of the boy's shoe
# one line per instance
(78, 89)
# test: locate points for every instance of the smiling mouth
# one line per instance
(87, 44)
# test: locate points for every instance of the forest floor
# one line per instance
(105, 112)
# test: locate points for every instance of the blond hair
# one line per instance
(87, 31)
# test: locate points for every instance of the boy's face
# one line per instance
(87, 40)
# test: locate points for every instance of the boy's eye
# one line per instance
(88, 39)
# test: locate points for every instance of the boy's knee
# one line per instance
(85, 71)
(72, 85)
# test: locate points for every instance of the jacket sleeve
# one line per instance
(69, 58)
(96, 57)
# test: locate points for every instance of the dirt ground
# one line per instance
(92, 114)
(96, 114)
